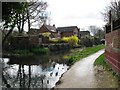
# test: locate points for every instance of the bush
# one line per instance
(73, 40)
(57, 47)
(86, 41)
(96, 41)
(39, 50)
(65, 39)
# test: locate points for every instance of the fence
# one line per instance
(112, 50)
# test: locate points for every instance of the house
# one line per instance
(47, 28)
(84, 33)
(68, 31)
(44, 29)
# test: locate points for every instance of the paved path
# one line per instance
(81, 74)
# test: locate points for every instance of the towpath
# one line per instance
(82, 75)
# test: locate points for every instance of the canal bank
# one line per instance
(83, 75)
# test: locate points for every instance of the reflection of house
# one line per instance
(68, 31)
(84, 33)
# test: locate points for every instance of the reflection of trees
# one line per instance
(28, 79)
(22, 79)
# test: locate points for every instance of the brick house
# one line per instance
(112, 41)
(43, 29)
(68, 31)
(84, 33)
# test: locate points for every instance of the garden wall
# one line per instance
(112, 50)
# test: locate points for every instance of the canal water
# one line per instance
(35, 71)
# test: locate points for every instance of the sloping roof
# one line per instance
(51, 28)
(84, 33)
(66, 29)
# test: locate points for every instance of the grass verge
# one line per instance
(77, 55)
(100, 61)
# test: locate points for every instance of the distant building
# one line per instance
(44, 29)
(68, 31)
(84, 33)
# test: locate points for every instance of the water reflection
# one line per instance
(33, 72)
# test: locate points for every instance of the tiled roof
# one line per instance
(66, 29)
(51, 28)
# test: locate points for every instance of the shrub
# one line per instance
(73, 40)
(65, 39)
(39, 50)
(86, 41)
(96, 41)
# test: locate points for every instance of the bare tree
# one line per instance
(36, 13)
(114, 7)
(93, 29)
(33, 12)
(97, 31)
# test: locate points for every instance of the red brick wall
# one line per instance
(112, 50)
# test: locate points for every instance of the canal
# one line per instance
(41, 71)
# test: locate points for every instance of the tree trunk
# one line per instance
(4, 39)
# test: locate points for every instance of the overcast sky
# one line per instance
(81, 13)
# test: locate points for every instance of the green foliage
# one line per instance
(87, 41)
(77, 55)
(27, 52)
(39, 50)
(65, 57)
(96, 41)
(10, 11)
(21, 53)
(100, 61)
(59, 46)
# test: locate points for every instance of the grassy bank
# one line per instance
(77, 54)
(26, 52)
(100, 61)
